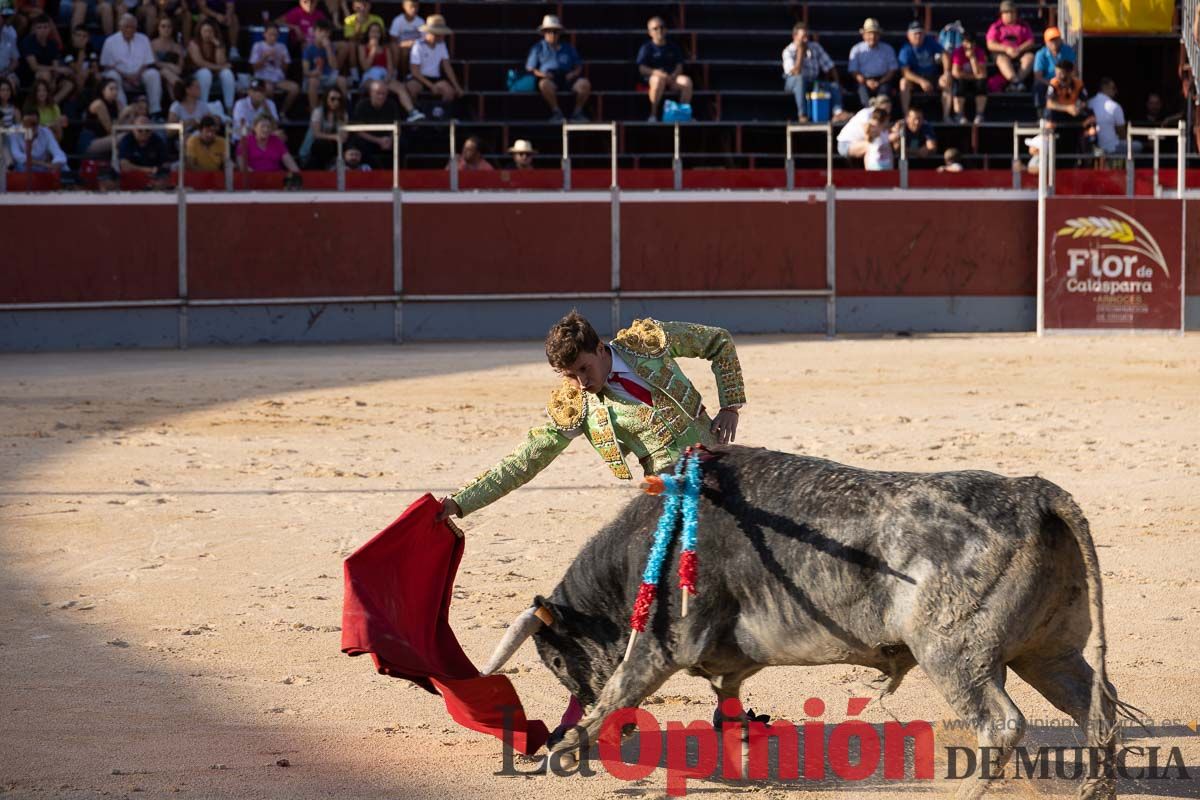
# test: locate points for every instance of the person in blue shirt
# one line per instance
(873, 63)
(922, 67)
(557, 66)
(661, 66)
(1046, 60)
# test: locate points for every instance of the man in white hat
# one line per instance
(873, 63)
(557, 66)
(522, 154)
(429, 65)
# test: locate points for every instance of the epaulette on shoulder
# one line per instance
(566, 405)
(645, 337)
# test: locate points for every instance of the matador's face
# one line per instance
(590, 370)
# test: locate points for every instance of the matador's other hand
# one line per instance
(449, 507)
(724, 427)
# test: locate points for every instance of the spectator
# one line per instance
(9, 118)
(144, 151)
(522, 154)
(206, 150)
(471, 158)
(920, 59)
(1155, 115)
(10, 53)
(354, 29)
(661, 66)
(269, 58)
(207, 54)
(25, 13)
(375, 57)
(95, 140)
(1011, 39)
(320, 72)
(1066, 104)
(864, 127)
(76, 13)
(188, 108)
(556, 65)
(178, 11)
(35, 149)
(301, 21)
(50, 116)
(406, 30)
(324, 130)
(1045, 60)
(84, 60)
(222, 14)
(919, 139)
(1110, 120)
(263, 150)
(430, 68)
(168, 55)
(968, 69)
(950, 161)
(128, 59)
(873, 63)
(377, 108)
(41, 55)
(250, 107)
(353, 159)
(804, 62)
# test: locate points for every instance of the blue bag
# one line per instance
(676, 112)
(521, 82)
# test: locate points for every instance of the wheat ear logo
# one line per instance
(1128, 234)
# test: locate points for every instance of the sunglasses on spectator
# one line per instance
(656, 27)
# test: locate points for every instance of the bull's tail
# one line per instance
(1105, 705)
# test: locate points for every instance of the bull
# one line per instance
(804, 562)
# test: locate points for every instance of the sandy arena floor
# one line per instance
(172, 527)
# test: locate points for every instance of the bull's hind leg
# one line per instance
(1065, 680)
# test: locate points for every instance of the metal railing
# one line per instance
(790, 163)
(582, 127)
(1156, 135)
(392, 127)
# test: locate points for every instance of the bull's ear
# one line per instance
(543, 611)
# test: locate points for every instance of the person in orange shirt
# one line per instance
(1066, 107)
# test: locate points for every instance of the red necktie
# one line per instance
(638, 391)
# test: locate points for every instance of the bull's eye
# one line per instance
(557, 662)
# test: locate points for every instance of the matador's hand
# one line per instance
(724, 427)
(449, 507)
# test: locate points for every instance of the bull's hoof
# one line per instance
(566, 749)
(747, 716)
(1102, 789)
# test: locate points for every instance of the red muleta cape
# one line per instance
(397, 608)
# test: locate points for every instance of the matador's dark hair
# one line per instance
(569, 338)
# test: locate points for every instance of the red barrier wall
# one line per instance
(99, 260)
(1191, 250)
(936, 247)
(698, 246)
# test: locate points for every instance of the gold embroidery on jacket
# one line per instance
(566, 406)
(644, 337)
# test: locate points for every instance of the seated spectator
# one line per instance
(25, 12)
(805, 62)
(406, 30)
(49, 114)
(556, 65)
(10, 53)
(1066, 104)
(205, 152)
(41, 55)
(471, 158)
(95, 140)
(919, 139)
(377, 108)
(76, 13)
(144, 151)
(9, 117)
(1045, 60)
(263, 150)
(353, 159)
(168, 55)
(1155, 116)
(222, 14)
(207, 55)
(857, 135)
(324, 130)
(35, 149)
(873, 63)
(269, 59)
(375, 56)
(178, 11)
(1110, 120)
(950, 161)
(968, 71)
(128, 59)
(661, 66)
(522, 154)
(920, 68)
(1011, 40)
(320, 72)
(84, 61)
(354, 31)
(301, 21)
(430, 68)
(188, 108)
(246, 110)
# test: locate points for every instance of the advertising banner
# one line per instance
(1113, 263)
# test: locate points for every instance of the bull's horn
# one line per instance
(520, 630)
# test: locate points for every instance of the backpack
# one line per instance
(951, 36)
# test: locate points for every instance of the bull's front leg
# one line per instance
(629, 685)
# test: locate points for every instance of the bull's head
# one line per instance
(581, 650)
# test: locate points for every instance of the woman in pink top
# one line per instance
(968, 68)
(265, 152)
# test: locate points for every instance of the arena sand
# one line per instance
(173, 525)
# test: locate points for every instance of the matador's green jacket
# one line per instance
(655, 435)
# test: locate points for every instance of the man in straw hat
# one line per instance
(429, 65)
(873, 63)
(557, 67)
(522, 154)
